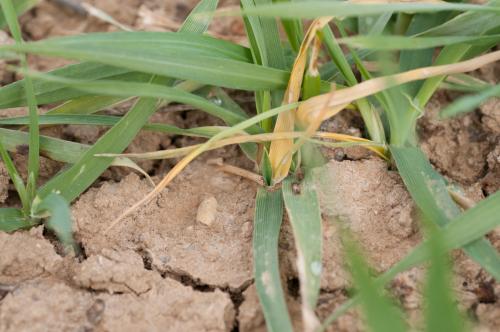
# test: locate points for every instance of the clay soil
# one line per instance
(184, 262)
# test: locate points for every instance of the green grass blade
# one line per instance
(465, 83)
(302, 206)
(151, 43)
(12, 220)
(469, 103)
(60, 218)
(412, 59)
(380, 313)
(314, 9)
(201, 59)
(449, 54)
(130, 89)
(392, 43)
(198, 24)
(266, 49)
(441, 312)
(267, 225)
(107, 120)
(10, 14)
(20, 6)
(266, 37)
(53, 148)
(465, 24)
(430, 193)
(294, 30)
(85, 105)
(46, 92)
(64, 151)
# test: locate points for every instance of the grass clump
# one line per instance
(298, 84)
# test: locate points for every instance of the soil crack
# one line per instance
(236, 295)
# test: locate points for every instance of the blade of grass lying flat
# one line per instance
(12, 220)
(50, 147)
(86, 105)
(55, 149)
(20, 6)
(92, 104)
(314, 9)
(469, 227)
(46, 92)
(469, 103)
(302, 206)
(83, 173)
(267, 225)
(413, 43)
(429, 192)
(129, 89)
(107, 120)
(60, 218)
(470, 24)
(465, 83)
(168, 43)
(380, 313)
(441, 312)
(210, 65)
(34, 143)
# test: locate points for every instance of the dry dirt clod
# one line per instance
(114, 272)
(25, 256)
(51, 305)
(169, 306)
(491, 182)
(207, 211)
(167, 228)
(373, 202)
(44, 305)
(458, 147)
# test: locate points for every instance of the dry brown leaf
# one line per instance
(279, 155)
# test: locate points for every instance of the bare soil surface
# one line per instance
(184, 260)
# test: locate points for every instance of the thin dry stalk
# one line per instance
(312, 108)
(259, 138)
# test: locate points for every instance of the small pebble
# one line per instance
(207, 211)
